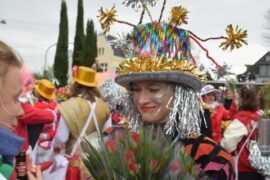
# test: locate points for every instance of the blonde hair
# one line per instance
(7, 59)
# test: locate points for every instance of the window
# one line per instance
(100, 51)
(103, 67)
(267, 58)
(264, 71)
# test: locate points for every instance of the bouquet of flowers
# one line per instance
(144, 155)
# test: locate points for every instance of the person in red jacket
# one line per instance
(32, 116)
(241, 128)
(210, 97)
(229, 97)
(30, 124)
(45, 93)
(221, 114)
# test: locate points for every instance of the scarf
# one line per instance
(10, 145)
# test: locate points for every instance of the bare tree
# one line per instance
(222, 71)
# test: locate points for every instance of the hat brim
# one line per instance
(50, 97)
(216, 92)
(94, 84)
(171, 76)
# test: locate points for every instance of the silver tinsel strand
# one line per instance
(185, 115)
(135, 119)
(259, 162)
(137, 4)
(113, 93)
(125, 43)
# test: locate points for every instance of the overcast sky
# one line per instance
(32, 26)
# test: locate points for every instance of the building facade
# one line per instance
(259, 71)
(109, 56)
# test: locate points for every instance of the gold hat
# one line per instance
(46, 89)
(85, 76)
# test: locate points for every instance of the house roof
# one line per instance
(255, 67)
(110, 38)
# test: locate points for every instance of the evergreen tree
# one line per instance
(90, 47)
(78, 51)
(60, 67)
(264, 93)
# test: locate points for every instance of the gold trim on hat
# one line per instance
(159, 65)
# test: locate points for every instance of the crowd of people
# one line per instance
(162, 90)
(232, 122)
(34, 122)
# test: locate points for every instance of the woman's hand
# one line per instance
(33, 172)
(37, 176)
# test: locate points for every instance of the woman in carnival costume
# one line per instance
(164, 86)
(74, 113)
(10, 110)
(228, 99)
(218, 113)
(242, 129)
(169, 99)
(211, 96)
(46, 99)
(30, 124)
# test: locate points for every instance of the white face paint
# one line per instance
(151, 99)
(159, 96)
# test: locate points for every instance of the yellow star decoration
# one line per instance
(236, 38)
(178, 15)
(106, 18)
(161, 64)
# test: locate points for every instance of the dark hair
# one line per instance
(249, 98)
(39, 96)
(86, 92)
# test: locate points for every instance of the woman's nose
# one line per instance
(143, 97)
